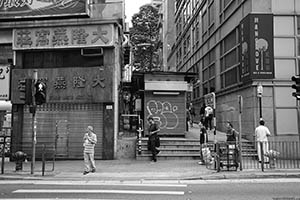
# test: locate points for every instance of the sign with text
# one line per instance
(4, 82)
(41, 8)
(256, 48)
(65, 85)
(63, 37)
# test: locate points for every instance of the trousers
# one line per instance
(89, 161)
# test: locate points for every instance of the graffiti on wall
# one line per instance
(164, 113)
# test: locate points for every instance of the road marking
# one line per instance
(95, 183)
(54, 199)
(236, 181)
(56, 191)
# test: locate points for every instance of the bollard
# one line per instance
(43, 160)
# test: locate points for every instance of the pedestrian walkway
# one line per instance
(122, 170)
(194, 133)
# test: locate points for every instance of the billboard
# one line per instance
(4, 82)
(63, 37)
(256, 47)
(69, 85)
(40, 8)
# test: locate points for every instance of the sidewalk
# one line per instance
(134, 170)
(128, 170)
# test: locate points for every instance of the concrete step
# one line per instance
(173, 148)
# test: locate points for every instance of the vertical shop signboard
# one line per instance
(4, 82)
(256, 47)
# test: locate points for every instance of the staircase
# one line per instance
(185, 149)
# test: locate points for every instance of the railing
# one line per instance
(44, 153)
(262, 155)
(274, 154)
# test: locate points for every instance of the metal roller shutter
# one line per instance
(168, 111)
(68, 122)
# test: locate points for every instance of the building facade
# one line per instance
(236, 47)
(75, 48)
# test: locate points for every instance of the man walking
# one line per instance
(261, 135)
(89, 141)
(153, 138)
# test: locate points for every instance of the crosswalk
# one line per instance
(59, 189)
(93, 191)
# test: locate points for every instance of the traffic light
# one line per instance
(40, 93)
(25, 88)
(296, 86)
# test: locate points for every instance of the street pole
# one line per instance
(34, 121)
(259, 95)
(240, 99)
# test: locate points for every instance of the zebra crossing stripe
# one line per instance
(56, 191)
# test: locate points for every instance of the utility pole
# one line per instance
(34, 121)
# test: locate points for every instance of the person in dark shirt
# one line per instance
(203, 141)
(153, 138)
(231, 133)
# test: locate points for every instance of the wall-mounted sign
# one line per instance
(63, 37)
(4, 82)
(80, 85)
(41, 8)
(257, 55)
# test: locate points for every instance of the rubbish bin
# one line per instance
(19, 157)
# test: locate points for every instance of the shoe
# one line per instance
(85, 173)
(93, 170)
(201, 163)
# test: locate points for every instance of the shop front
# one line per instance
(80, 66)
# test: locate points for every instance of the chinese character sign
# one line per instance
(81, 85)
(63, 37)
(256, 47)
(40, 8)
(4, 82)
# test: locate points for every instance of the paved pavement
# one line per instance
(123, 170)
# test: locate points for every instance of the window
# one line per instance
(6, 53)
(208, 73)
(211, 19)
(227, 7)
(229, 60)
(204, 25)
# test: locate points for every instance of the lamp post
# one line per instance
(259, 95)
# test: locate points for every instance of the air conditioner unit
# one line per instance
(95, 51)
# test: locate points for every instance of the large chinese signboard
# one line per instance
(65, 85)
(40, 8)
(256, 55)
(4, 82)
(63, 37)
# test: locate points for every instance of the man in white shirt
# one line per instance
(209, 113)
(261, 135)
(89, 141)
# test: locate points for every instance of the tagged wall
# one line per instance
(168, 111)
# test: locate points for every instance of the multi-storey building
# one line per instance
(75, 47)
(237, 46)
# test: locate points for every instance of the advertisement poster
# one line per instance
(39, 8)
(256, 53)
(4, 82)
